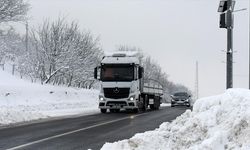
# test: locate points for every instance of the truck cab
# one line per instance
(122, 83)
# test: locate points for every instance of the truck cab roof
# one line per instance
(120, 58)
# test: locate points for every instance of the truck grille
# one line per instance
(116, 103)
(116, 93)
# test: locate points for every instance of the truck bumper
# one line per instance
(118, 105)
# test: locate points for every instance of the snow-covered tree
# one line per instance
(11, 47)
(13, 10)
(66, 55)
(10, 42)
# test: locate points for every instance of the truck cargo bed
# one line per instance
(152, 87)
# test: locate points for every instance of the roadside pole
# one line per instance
(226, 21)
(229, 17)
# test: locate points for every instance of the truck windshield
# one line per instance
(117, 73)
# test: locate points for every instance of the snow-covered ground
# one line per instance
(218, 122)
(22, 101)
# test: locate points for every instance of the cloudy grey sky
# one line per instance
(175, 33)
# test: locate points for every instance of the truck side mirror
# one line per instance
(97, 73)
(141, 71)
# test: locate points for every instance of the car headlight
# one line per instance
(101, 98)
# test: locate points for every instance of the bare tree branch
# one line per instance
(13, 10)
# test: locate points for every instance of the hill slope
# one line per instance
(22, 101)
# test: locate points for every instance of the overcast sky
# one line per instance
(175, 33)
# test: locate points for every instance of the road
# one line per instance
(86, 132)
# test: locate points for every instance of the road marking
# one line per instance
(74, 131)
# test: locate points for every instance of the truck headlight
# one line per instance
(101, 98)
(131, 98)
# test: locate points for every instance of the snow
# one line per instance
(120, 60)
(218, 122)
(22, 101)
(127, 53)
(128, 57)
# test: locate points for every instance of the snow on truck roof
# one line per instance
(127, 53)
(120, 58)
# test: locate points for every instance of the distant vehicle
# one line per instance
(123, 85)
(181, 98)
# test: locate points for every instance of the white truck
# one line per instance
(123, 85)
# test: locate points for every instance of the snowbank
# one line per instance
(219, 122)
(22, 101)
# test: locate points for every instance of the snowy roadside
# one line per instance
(22, 101)
(218, 122)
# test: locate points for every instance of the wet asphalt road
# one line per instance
(85, 132)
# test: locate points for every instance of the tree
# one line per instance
(59, 53)
(11, 47)
(65, 54)
(13, 10)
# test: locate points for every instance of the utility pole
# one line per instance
(229, 44)
(27, 36)
(226, 21)
(197, 81)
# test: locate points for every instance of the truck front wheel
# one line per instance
(103, 110)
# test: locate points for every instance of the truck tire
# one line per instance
(145, 103)
(152, 107)
(103, 111)
(156, 104)
(140, 103)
